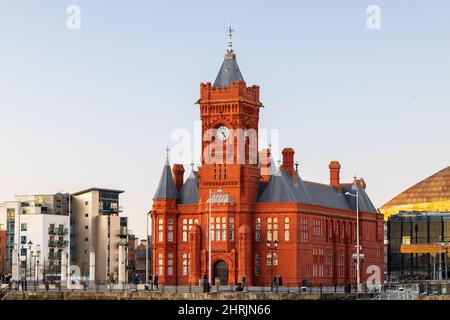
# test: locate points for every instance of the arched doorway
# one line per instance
(221, 272)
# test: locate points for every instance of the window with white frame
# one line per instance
(160, 230)
(218, 229)
(170, 230)
(224, 229)
(185, 262)
(258, 229)
(185, 230)
(341, 263)
(304, 229)
(269, 229)
(170, 264)
(275, 229)
(286, 229)
(318, 227)
(187, 225)
(160, 264)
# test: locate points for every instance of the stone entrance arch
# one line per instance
(221, 272)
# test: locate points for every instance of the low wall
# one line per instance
(68, 295)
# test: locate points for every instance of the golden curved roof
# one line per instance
(430, 194)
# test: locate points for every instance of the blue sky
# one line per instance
(97, 106)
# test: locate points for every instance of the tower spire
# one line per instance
(167, 154)
(230, 40)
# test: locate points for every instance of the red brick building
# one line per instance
(314, 224)
(2, 251)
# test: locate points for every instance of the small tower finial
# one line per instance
(167, 154)
(230, 39)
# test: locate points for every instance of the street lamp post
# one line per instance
(444, 244)
(272, 247)
(147, 273)
(358, 248)
(35, 254)
(30, 253)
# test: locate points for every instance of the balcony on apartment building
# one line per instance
(124, 232)
(57, 243)
(57, 230)
(54, 256)
(110, 210)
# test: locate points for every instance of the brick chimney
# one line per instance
(264, 159)
(178, 175)
(335, 168)
(288, 161)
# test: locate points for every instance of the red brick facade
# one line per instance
(2, 251)
(315, 242)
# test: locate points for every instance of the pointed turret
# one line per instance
(189, 190)
(230, 70)
(166, 187)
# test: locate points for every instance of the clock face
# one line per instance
(223, 133)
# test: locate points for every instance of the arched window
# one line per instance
(185, 232)
(217, 229)
(160, 230)
(286, 229)
(224, 229)
(269, 229)
(258, 229)
(170, 230)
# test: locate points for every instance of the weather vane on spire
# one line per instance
(167, 154)
(230, 39)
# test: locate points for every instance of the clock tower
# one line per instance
(229, 111)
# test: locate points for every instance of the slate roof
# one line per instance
(279, 189)
(189, 191)
(166, 187)
(327, 196)
(228, 72)
(365, 204)
(302, 191)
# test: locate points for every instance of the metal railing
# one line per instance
(57, 243)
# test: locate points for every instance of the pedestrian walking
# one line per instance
(156, 281)
(274, 282)
(280, 281)
(244, 280)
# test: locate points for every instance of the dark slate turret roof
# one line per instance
(279, 189)
(189, 190)
(228, 72)
(166, 187)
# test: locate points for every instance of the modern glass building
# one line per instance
(417, 231)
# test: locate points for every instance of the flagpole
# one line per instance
(209, 238)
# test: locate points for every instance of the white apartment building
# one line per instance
(38, 238)
(100, 235)
(37, 234)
